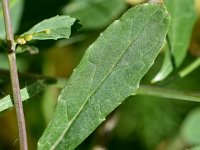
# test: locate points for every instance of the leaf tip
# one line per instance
(157, 78)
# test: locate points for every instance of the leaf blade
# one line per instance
(107, 75)
(97, 11)
(53, 28)
(26, 93)
(183, 19)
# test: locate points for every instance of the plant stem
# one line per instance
(191, 67)
(168, 93)
(152, 90)
(41, 84)
(14, 76)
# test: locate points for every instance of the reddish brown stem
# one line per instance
(14, 76)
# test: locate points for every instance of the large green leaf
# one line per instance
(109, 72)
(183, 20)
(16, 7)
(53, 28)
(94, 14)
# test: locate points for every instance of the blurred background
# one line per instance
(140, 123)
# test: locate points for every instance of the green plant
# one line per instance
(114, 68)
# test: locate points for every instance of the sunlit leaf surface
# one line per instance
(109, 72)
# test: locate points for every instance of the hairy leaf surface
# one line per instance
(109, 72)
(183, 20)
(94, 14)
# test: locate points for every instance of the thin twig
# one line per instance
(152, 90)
(32, 77)
(14, 76)
(191, 67)
(42, 81)
(168, 93)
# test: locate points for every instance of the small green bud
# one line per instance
(28, 37)
(47, 31)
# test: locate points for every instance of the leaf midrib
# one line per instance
(39, 31)
(115, 64)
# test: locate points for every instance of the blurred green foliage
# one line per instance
(144, 122)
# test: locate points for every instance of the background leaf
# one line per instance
(109, 72)
(150, 119)
(195, 148)
(190, 132)
(183, 19)
(26, 93)
(54, 28)
(27, 48)
(16, 7)
(95, 14)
